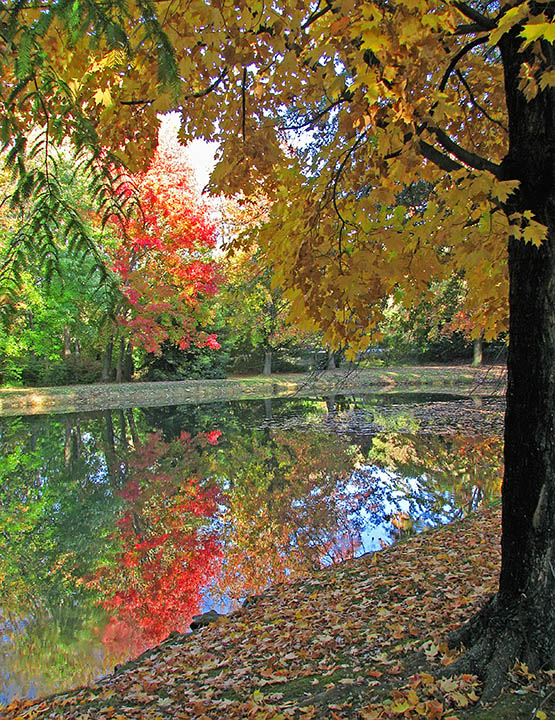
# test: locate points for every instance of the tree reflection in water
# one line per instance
(114, 533)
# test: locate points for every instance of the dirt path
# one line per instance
(15, 401)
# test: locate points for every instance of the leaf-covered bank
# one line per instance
(14, 401)
(362, 640)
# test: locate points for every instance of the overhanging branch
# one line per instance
(458, 56)
(438, 158)
(483, 21)
(465, 156)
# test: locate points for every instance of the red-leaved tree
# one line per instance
(163, 258)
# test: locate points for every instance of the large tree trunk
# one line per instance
(119, 363)
(519, 622)
(67, 342)
(128, 366)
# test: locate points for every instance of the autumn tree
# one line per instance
(163, 259)
(337, 106)
(167, 552)
(256, 310)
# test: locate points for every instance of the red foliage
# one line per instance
(168, 553)
(163, 258)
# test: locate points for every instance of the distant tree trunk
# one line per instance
(77, 441)
(67, 342)
(331, 360)
(267, 362)
(477, 351)
(77, 348)
(268, 408)
(107, 364)
(110, 449)
(119, 365)
(133, 428)
(128, 369)
(31, 320)
(331, 407)
(67, 443)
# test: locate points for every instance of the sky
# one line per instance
(201, 154)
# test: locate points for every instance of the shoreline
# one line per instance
(105, 396)
(361, 640)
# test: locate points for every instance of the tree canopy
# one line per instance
(340, 109)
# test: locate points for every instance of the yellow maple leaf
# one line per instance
(539, 31)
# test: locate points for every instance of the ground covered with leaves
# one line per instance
(362, 640)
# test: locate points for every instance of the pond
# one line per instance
(116, 527)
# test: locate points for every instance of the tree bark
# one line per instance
(477, 351)
(119, 364)
(519, 622)
(331, 360)
(67, 342)
(268, 408)
(133, 428)
(107, 365)
(267, 363)
(128, 367)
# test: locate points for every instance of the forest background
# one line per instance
(180, 301)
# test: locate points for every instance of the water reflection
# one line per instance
(117, 527)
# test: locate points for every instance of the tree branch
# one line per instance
(344, 222)
(458, 56)
(484, 22)
(244, 104)
(438, 158)
(346, 96)
(465, 156)
(318, 13)
(210, 88)
(477, 104)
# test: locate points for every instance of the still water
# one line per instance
(117, 527)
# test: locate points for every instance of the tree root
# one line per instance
(494, 640)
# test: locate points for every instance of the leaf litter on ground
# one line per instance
(365, 639)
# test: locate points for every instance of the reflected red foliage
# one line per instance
(167, 551)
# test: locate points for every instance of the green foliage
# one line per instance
(176, 364)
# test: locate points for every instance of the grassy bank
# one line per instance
(363, 640)
(106, 396)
